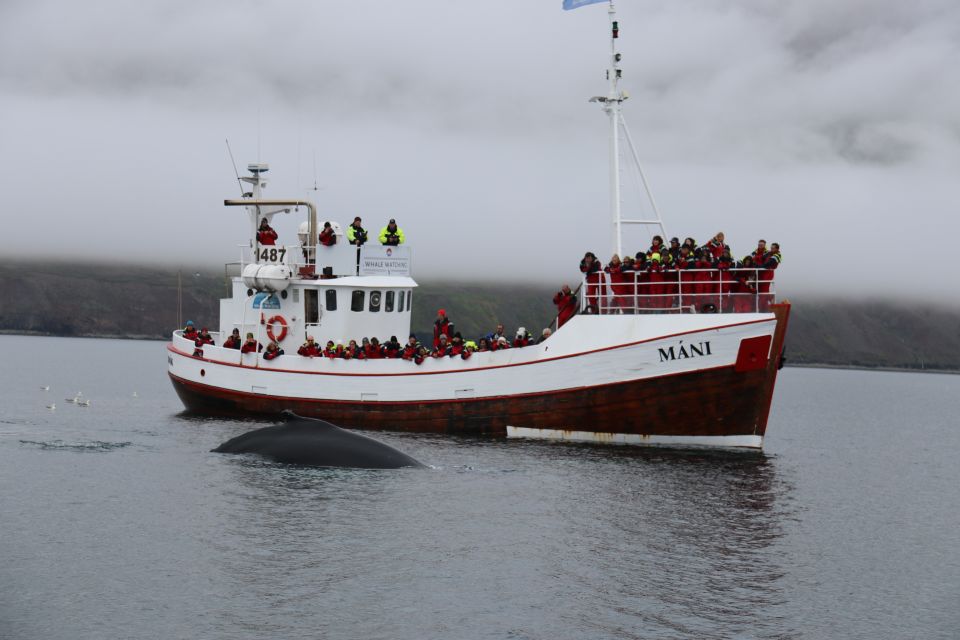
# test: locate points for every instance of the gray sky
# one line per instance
(833, 128)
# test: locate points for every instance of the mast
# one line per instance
(612, 106)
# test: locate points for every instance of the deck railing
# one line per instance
(683, 291)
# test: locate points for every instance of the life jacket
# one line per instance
(328, 237)
(307, 349)
(190, 333)
(267, 236)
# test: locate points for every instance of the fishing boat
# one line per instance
(688, 362)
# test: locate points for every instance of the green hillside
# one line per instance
(141, 302)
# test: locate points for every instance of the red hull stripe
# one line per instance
(172, 348)
(531, 394)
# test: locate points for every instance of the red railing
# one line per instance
(678, 291)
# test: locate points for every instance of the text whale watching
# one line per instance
(676, 344)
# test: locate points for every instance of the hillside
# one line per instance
(141, 302)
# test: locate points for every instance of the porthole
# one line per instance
(249, 292)
(283, 294)
(375, 300)
(203, 372)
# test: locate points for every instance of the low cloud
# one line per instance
(817, 122)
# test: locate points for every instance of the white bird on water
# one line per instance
(70, 399)
(83, 403)
(45, 388)
(135, 395)
(52, 407)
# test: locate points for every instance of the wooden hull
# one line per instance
(730, 401)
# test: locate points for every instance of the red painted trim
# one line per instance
(170, 347)
(381, 403)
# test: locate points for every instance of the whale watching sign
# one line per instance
(385, 261)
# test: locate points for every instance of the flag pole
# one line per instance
(612, 107)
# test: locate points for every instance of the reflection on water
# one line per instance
(118, 521)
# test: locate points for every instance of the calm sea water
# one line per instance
(117, 522)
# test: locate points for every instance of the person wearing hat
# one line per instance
(522, 338)
(546, 333)
(441, 326)
(392, 348)
(391, 235)
(190, 331)
(356, 234)
(233, 340)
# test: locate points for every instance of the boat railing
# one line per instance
(681, 291)
(341, 259)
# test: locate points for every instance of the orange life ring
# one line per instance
(283, 328)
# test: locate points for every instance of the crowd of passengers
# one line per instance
(447, 343)
(653, 279)
(656, 278)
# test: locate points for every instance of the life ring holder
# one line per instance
(278, 319)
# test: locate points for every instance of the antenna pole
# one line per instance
(612, 107)
(235, 171)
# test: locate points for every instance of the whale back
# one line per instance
(309, 441)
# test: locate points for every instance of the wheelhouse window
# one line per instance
(388, 303)
(400, 303)
(375, 301)
(331, 300)
(356, 300)
(409, 299)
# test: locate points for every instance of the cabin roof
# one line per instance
(368, 282)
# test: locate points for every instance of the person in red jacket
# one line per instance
(655, 290)
(760, 253)
(566, 305)
(392, 348)
(372, 349)
(204, 337)
(441, 327)
(707, 283)
(656, 246)
(726, 279)
(770, 262)
(330, 350)
(189, 331)
(443, 347)
(273, 350)
(686, 278)
(522, 339)
(328, 236)
(233, 340)
(251, 345)
(617, 274)
(411, 348)
(353, 351)
(717, 245)
(265, 234)
(745, 287)
(309, 349)
(456, 346)
(590, 267)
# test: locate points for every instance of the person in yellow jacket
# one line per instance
(391, 235)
